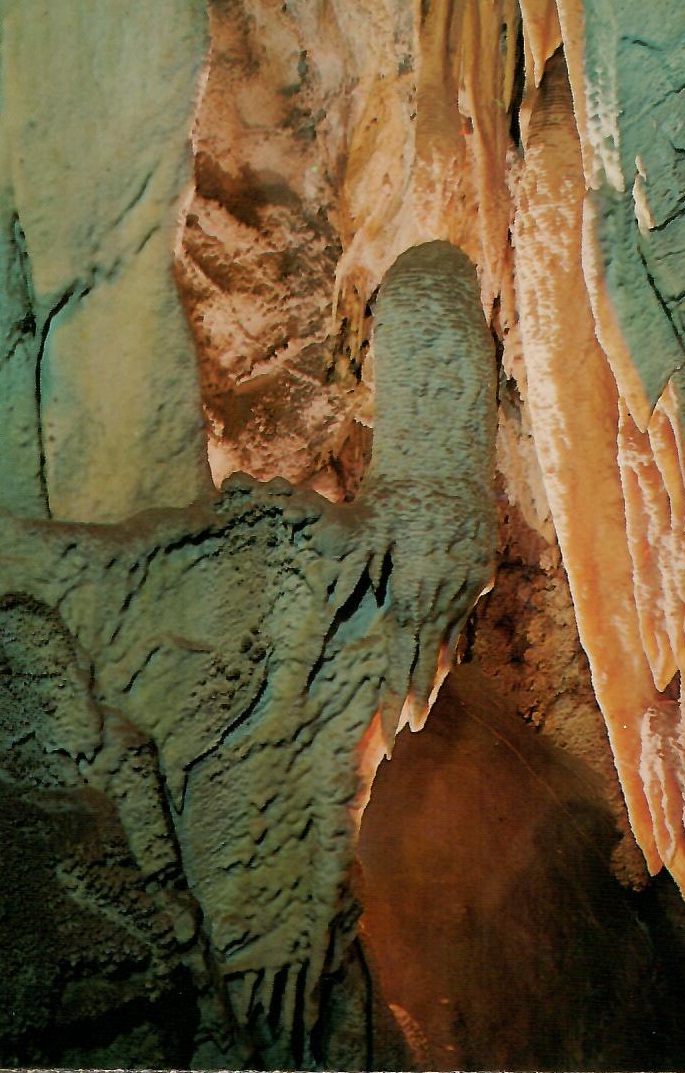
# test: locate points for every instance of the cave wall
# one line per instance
(475, 127)
(191, 694)
(96, 162)
(502, 936)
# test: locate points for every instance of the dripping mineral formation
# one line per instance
(252, 639)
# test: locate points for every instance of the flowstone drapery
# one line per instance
(251, 639)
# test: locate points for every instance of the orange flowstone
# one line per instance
(573, 401)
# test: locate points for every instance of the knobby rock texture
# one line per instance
(253, 480)
(199, 680)
(543, 139)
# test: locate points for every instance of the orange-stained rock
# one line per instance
(655, 523)
(262, 241)
(331, 139)
(502, 939)
(542, 35)
(662, 768)
(655, 514)
(574, 408)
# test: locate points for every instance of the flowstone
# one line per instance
(251, 638)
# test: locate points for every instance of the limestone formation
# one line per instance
(581, 472)
(445, 129)
(198, 682)
(95, 156)
(250, 641)
(601, 170)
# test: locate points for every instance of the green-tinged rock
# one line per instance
(635, 91)
(97, 105)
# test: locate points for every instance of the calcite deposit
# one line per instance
(247, 642)
(316, 322)
(95, 160)
(601, 166)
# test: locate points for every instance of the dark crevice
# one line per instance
(9, 354)
(384, 579)
(305, 830)
(499, 347)
(655, 105)
(298, 1036)
(26, 326)
(277, 996)
(268, 803)
(343, 615)
(672, 217)
(138, 196)
(133, 593)
(72, 292)
(240, 720)
(145, 565)
(136, 674)
(190, 540)
(517, 88)
(145, 239)
(23, 330)
(469, 637)
(631, 39)
(18, 240)
(243, 942)
(235, 725)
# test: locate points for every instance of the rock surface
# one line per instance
(99, 363)
(195, 699)
(502, 938)
(459, 126)
(248, 643)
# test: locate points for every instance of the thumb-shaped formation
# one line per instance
(251, 641)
